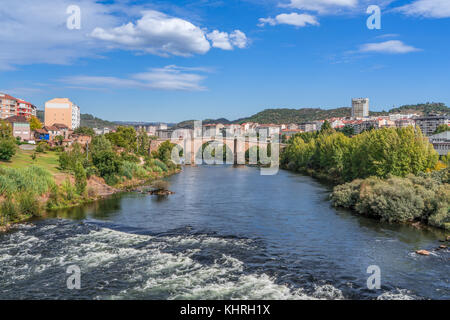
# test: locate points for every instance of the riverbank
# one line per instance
(62, 195)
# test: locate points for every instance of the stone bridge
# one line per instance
(193, 148)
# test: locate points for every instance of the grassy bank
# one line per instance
(30, 187)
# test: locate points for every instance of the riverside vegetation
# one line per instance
(392, 174)
(120, 160)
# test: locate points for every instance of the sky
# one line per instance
(171, 61)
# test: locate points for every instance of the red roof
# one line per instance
(17, 119)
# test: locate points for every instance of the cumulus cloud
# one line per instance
(391, 46)
(427, 8)
(226, 41)
(167, 78)
(35, 32)
(294, 19)
(157, 33)
(321, 6)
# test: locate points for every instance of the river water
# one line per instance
(226, 233)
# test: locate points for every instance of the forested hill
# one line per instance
(88, 120)
(278, 116)
(423, 108)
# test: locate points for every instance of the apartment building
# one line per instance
(360, 108)
(429, 124)
(441, 142)
(62, 111)
(11, 106)
(307, 127)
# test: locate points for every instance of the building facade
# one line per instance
(360, 108)
(20, 127)
(429, 124)
(62, 111)
(441, 142)
(10, 106)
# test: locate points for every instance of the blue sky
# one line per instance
(177, 60)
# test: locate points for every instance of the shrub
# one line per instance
(80, 178)
(7, 149)
(69, 190)
(160, 164)
(28, 204)
(31, 179)
(41, 147)
(425, 198)
(9, 209)
(160, 185)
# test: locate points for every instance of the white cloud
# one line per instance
(35, 32)
(391, 46)
(220, 40)
(226, 41)
(294, 19)
(427, 8)
(157, 33)
(171, 77)
(239, 39)
(321, 6)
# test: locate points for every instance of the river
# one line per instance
(226, 233)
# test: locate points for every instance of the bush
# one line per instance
(41, 147)
(9, 209)
(80, 178)
(160, 185)
(160, 164)
(28, 204)
(69, 190)
(111, 179)
(7, 149)
(32, 179)
(414, 198)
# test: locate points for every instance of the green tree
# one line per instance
(5, 130)
(35, 123)
(326, 128)
(124, 137)
(143, 141)
(7, 148)
(442, 128)
(104, 158)
(80, 178)
(84, 131)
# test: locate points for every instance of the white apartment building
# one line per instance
(360, 108)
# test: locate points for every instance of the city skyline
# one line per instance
(207, 59)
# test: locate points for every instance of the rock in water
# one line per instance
(423, 252)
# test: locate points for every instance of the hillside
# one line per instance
(278, 116)
(87, 120)
(423, 108)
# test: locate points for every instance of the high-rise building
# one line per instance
(360, 108)
(62, 111)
